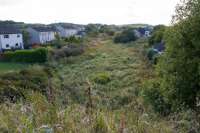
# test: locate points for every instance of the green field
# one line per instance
(10, 67)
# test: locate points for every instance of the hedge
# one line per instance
(39, 55)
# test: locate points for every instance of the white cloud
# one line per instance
(88, 11)
(10, 2)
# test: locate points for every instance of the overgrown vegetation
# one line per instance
(176, 83)
(67, 51)
(39, 55)
(97, 91)
(179, 66)
(157, 35)
(74, 39)
(17, 85)
(126, 36)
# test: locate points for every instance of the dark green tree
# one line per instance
(157, 35)
(179, 68)
(126, 36)
(26, 38)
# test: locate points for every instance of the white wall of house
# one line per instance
(61, 31)
(70, 32)
(46, 37)
(37, 37)
(34, 36)
(11, 41)
(66, 32)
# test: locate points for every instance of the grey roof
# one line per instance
(9, 30)
(44, 29)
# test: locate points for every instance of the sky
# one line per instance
(89, 11)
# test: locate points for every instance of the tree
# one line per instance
(179, 67)
(26, 38)
(157, 35)
(126, 36)
(93, 29)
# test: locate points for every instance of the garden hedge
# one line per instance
(39, 55)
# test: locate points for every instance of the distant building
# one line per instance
(10, 38)
(66, 31)
(159, 47)
(145, 31)
(41, 35)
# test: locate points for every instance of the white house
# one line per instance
(65, 31)
(147, 33)
(41, 35)
(10, 38)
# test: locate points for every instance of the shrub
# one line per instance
(14, 86)
(39, 55)
(158, 34)
(151, 53)
(73, 50)
(152, 94)
(102, 78)
(73, 39)
(110, 32)
(126, 36)
(26, 37)
(179, 66)
(67, 51)
(93, 29)
(100, 125)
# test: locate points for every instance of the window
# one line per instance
(16, 44)
(18, 35)
(7, 46)
(6, 36)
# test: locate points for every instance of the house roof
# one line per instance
(9, 30)
(44, 29)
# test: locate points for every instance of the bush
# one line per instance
(126, 36)
(179, 66)
(151, 53)
(102, 78)
(152, 94)
(74, 39)
(67, 51)
(158, 35)
(14, 86)
(110, 32)
(100, 125)
(39, 55)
